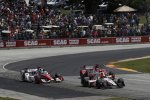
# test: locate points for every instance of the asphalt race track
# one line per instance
(137, 85)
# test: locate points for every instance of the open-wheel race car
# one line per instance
(89, 71)
(101, 79)
(39, 75)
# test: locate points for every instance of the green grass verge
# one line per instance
(7, 98)
(141, 65)
(119, 98)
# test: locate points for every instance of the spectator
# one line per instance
(17, 17)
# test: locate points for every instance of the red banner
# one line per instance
(94, 41)
(66, 42)
(28, 43)
(20, 43)
(122, 39)
(145, 39)
(83, 41)
(10, 44)
(74, 41)
(44, 43)
(108, 40)
(59, 42)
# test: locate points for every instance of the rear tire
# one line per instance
(99, 84)
(37, 80)
(104, 84)
(120, 83)
(23, 78)
(84, 82)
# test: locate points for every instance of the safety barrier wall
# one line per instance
(74, 41)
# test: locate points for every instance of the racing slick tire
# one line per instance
(37, 80)
(104, 84)
(23, 77)
(58, 78)
(120, 83)
(22, 73)
(84, 82)
(99, 84)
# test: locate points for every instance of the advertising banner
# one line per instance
(122, 40)
(1, 44)
(10, 44)
(74, 41)
(108, 40)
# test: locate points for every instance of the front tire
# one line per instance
(23, 78)
(99, 84)
(84, 82)
(120, 83)
(37, 80)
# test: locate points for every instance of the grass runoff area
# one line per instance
(119, 98)
(141, 65)
(7, 98)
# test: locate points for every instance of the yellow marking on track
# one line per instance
(111, 66)
(126, 69)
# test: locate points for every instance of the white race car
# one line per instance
(39, 76)
(28, 75)
(105, 82)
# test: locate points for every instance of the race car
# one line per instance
(39, 75)
(102, 82)
(90, 71)
(99, 77)
(109, 83)
(86, 71)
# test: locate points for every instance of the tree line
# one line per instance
(91, 5)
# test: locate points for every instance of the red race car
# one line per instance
(90, 71)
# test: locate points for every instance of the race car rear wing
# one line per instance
(89, 67)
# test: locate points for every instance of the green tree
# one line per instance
(140, 5)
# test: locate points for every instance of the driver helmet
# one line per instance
(84, 66)
(100, 70)
(40, 69)
(96, 67)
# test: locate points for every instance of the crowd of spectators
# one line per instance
(17, 17)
